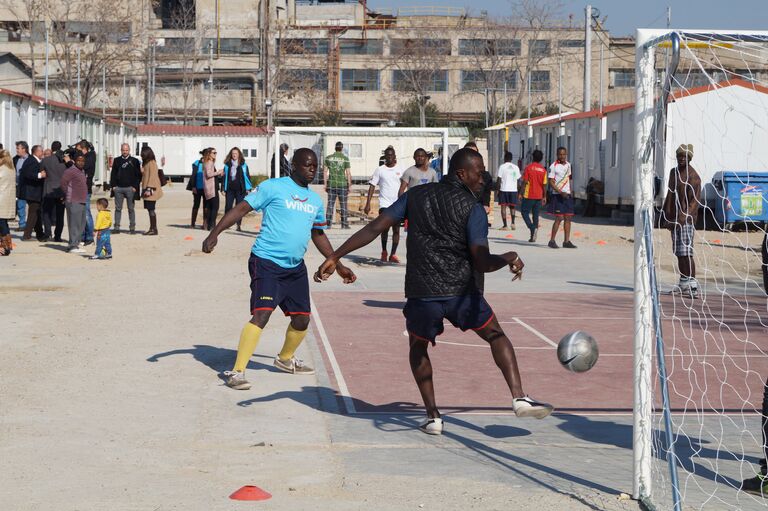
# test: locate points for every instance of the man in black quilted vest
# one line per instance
(447, 246)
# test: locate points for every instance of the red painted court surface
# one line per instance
(716, 361)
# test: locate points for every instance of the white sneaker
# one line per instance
(236, 380)
(293, 366)
(77, 250)
(432, 426)
(528, 407)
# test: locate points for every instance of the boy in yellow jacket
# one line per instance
(102, 228)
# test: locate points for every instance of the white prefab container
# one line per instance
(727, 125)
(30, 118)
(365, 147)
(177, 147)
(619, 154)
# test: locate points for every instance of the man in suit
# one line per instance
(53, 197)
(33, 180)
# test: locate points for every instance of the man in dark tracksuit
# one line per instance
(447, 246)
(125, 181)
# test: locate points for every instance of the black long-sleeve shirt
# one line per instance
(126, 172)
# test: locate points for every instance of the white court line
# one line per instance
(536, 333)
(343, 390)
(452, 343)
(563, 317)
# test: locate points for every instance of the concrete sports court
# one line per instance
(110, 396)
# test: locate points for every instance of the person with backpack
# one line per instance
(236, 183)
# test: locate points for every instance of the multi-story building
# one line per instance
(309, 61)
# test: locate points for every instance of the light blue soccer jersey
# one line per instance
(290, 214)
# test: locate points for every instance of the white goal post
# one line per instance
(658, 50)
(333, 130)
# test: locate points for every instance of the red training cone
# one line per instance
(249, 492)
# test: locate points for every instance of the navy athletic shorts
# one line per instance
(424, 317)
(507, 199)
(560, 206)
(273, 286)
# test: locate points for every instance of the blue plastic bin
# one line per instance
(743, 197)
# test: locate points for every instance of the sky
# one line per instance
(624, 16)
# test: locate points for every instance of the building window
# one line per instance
(431, 81)
(230, 84)
(360, 79)
(749, 75)
(297, 79)
(22, 31)
(539, 81)
(620, 78)
(539, 48)
(478, 81)
(614, 148)
(361, 47)
(420, 47)
(354, 151)
(303, 46)
(177, 46)
(231, 46)
(177, 14)
(488, 47)
(571, 43)
(690, 79)
(90, 32)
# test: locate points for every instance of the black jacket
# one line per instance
(485, 196)
(126, 172)
(32, 186)
(285, 166)
(439, 260)
(90, 169)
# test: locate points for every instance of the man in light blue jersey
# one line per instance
(293, 214)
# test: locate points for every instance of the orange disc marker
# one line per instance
(577, 234)
(188, 238)
(717, 241)
(601, 242)
(509, 236)
(249, 492)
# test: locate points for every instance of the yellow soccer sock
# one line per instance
(249, 338)
(293, 339)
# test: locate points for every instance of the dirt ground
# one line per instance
(110, 396)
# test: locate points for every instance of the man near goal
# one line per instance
(758, 485)
(447, 246)
(681, 208)
(292, 215)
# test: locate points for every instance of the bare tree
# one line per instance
(504, 54)
(418, 65)
(26, 25)
(100, 43)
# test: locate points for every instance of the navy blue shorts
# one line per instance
(507, 199)
(273, 286)
(424, 318)
(559, 205)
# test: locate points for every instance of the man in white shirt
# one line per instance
(561, 200)
(506, 184)
(387, 178)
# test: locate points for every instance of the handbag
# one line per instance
(162, 177)
(147, 192)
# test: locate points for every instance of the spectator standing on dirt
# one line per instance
(125, 181)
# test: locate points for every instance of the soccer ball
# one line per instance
(577, 351)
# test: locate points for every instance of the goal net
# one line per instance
(701, 207)
(343, 175)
